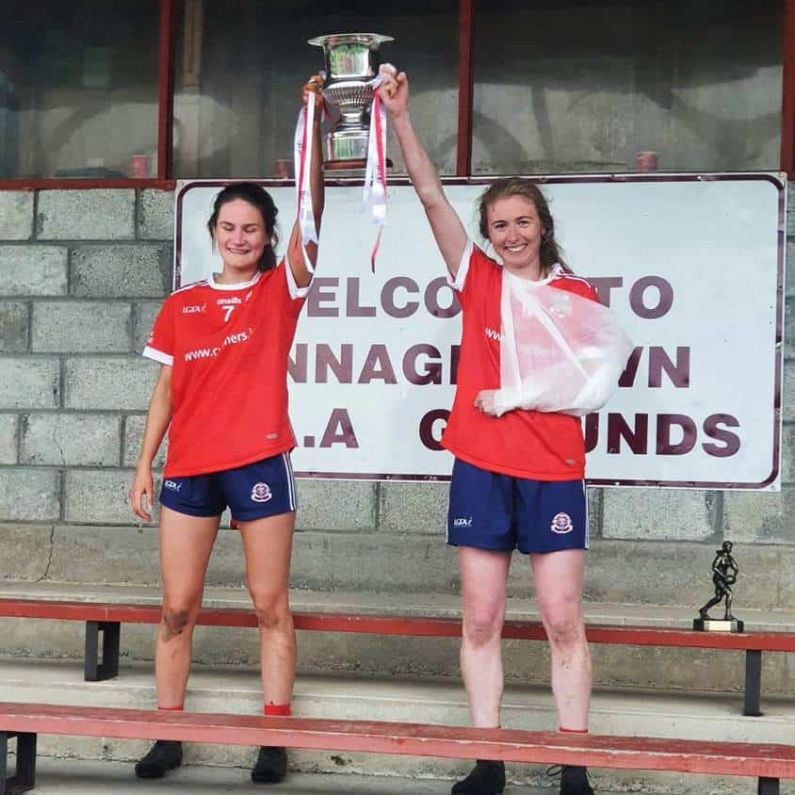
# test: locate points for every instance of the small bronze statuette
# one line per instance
(724, 575)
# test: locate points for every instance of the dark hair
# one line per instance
(550, 252)
(262, 200)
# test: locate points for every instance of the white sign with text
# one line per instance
(692, 265)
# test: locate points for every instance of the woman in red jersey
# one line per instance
(518, 479)
(223, 347)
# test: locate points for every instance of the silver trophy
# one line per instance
(350, 66)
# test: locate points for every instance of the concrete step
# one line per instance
(388, 559)
(696, 716)
(319, 653)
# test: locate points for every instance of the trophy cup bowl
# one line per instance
(350, 65)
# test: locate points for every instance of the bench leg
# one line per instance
(768, 786)
(109, 667)
(4, 763)
(753, 682)
(25, 777)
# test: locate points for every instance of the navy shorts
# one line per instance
(502, 513)
(254, 491)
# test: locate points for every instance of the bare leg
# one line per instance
(558, 584)
(484, 577)
(185, 546)
(268, 546)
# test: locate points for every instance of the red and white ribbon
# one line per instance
(375, 171)
(303, 146)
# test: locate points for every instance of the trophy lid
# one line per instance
(332, 39)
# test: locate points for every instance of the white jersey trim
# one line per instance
(457, 283)
(292, 286)
(237, 286)
(561, 274)
(555, 272)
(158, 356)
(201, 283)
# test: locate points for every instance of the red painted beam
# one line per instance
(85, 184)
(417, 626)
(408, 739)
(658, 636)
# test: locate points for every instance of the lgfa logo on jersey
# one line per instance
(461, 521)
(561, 523)
(261, 492)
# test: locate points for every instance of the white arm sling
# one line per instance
(560, 352)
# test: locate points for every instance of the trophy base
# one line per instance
(357, 164)
(346, 145)
(717, 625)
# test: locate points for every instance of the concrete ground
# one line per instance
(82, 777)
(72, 777)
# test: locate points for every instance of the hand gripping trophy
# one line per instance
(724, 575)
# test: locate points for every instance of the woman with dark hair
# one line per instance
(518, 479)
(223, 345)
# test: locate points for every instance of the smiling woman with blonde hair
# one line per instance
(518, 478)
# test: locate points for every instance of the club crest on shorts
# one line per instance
(261, 492)
(561, 523)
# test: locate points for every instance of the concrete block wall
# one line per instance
(82, 274)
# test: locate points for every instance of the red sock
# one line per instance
(169, 709)
(277, 710)
(572, 731)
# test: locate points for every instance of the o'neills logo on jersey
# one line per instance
(227, 301)
(261, 492)
(492, 334)
(561, 523)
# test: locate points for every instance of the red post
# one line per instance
(466, 83)
(788, 92)
(165, 93)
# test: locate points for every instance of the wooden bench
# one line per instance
(105, 619)
(767, 763)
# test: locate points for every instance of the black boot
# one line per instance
(163, 756)
(486, 778)
(574, 781)
(271, 766)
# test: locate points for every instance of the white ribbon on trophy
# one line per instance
(303, 145)
(374, 192)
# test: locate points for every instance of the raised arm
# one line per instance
(295, 255)
(450, 234)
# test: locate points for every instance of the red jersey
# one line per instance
(526, 444)
(228, 346)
